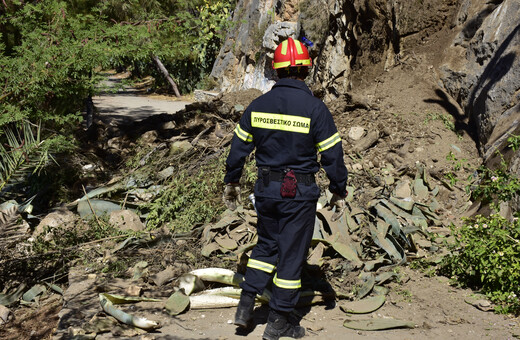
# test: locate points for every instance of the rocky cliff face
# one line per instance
(478, 64)
(482, 69)
(482, 72)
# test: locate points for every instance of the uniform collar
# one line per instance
(289, 82)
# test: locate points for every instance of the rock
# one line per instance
(149, 137)
(482, 71)
(356, 133)
(61, 218)
(164, 276)
(402, 189)
(165, 173)
(134, 290)
(169, 125)
(100, 207)
(367, 141)
(116, 143)
(423, 243)
(89, 167)
(4, 314)
(180, 146)
(126, 220)
(357, 167)
(204, 96)
(239, 108)
(394, 160)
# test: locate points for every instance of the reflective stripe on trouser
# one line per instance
(285, 229)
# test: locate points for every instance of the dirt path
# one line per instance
(128, 104)
(437, 309)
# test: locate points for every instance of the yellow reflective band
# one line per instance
(298, 46)
(263, 266)
(246, 137)
(285, 43)
(287, 284)
(282, 64)
(329, 142)
(303, 62)
(276, 121)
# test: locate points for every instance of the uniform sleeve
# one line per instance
(328, 143)
(241, 146)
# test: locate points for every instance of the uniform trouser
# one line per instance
(285, 229)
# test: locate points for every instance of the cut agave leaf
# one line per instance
(177, 303)
(364, 306)
(367, 286)
(9, 299)
(108, 306)
(32, 293)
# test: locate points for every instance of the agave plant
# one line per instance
(22, 153)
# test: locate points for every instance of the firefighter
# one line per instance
(288, 126)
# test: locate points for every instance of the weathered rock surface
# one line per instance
(60, 218)
(482, 72)
(126, 220)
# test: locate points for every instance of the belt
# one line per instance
(277, 176)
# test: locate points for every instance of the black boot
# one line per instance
(278, 326)
(244, 314)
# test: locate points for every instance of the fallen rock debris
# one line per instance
(374, 236)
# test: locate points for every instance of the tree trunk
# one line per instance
(166, 75)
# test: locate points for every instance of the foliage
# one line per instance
(457, 165)
(57, 238)
(496, 186)
(24, 153)
(486, 255)
(514, 142)
(52, 54)
(445, 119)
(50, 50)
(250, 174)
(314, 19)
(188, 199)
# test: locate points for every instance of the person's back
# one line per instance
(287, 126)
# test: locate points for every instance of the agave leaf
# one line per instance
(33, 293)
(177, 303)
(367, 287)
(108, 306)
(364, 306)
(9, 299)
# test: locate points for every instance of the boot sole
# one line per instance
(243, 323)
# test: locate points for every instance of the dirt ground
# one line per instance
(437, 309)
(405, 104)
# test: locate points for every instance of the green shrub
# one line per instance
(496, 186)
(189, 199)
(486, 256)
(514, 142)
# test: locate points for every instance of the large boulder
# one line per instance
(482, 72)
(62, 218)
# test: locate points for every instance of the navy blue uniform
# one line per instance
(287, 126)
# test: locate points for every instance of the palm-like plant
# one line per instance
(22, 153)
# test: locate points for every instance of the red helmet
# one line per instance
(291, 53)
